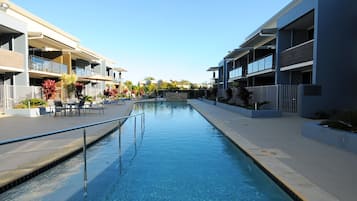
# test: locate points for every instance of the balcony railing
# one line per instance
(237, 72)
(297, 54)
(261, 64)
(117, 80)
(11, 59)
(82, 72)
(46, 65)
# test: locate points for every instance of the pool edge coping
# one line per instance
(291, 188)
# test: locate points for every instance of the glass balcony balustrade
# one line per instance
(261, 64)
(46, 65)
(237, 72)
(82, 72)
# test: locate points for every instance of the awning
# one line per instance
(41, 41)
(119, 69)
(237, 53)
(215, 68)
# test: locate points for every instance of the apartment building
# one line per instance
(309, 44)
(32, 50)
(13, 51)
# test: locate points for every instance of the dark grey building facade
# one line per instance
(313, 46)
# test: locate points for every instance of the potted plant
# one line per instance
(29, 108)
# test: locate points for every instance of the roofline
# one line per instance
(39, 20)
(275, 17)
(111, 61)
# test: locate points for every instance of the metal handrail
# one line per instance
(14, 140)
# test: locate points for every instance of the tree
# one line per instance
(152, 87)
(194, 86)
(128, 84)
(69, 81)
(149, 80)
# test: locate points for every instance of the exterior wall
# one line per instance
(19, 44)
(334, 61)
(67, 60)
(283, 40)
(35, 24)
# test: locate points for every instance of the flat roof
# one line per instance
(214, 68)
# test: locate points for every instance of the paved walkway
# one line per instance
(315, 171)
(20, 159)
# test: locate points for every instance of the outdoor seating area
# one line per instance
(76, 108)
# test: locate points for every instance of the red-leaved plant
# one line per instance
(49, 88)
(113, 92)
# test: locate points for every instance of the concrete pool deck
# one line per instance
(312, 170)
(21, 159)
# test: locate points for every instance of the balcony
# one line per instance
(298, 54)
(235, 73)
(90, 74)
(214, 80)
(261, 65)
(81, 72)
(46, 65)
(11, 61)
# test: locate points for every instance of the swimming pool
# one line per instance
(180, 156)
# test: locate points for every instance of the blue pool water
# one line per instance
(180, 156)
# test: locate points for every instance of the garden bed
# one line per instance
(337, 138)
(32, 112)
(246, 112)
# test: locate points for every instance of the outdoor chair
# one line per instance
(96, 107)
(81, 106)
(59, 107)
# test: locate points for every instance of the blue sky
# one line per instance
(165, 39)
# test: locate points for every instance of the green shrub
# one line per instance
(88, 99)
(20, 106)
(34, 102)
(343, 120)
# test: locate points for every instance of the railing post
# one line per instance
(119, 138)
(85, 163)
(135, 134)
(141, 123)
(135, 125)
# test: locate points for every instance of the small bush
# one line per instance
(346, 120)
(244, 95)
(20, 106)
(34, 102)
(88, 99)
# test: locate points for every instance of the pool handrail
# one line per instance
(85, 180)
(14, 140)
